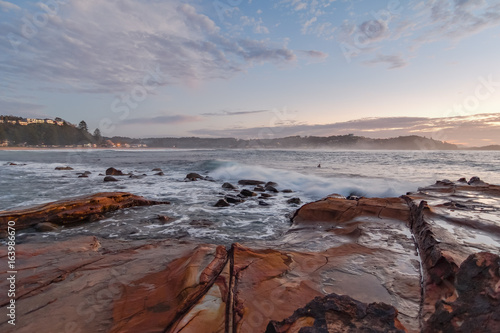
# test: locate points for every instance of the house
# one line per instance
(49, 121)
(22, 122)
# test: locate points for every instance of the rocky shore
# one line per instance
(427, 261)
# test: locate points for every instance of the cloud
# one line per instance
(232, 113)
(469, 129)
(257, 24)
(8, 6)
(108, 46)
(162, 120)
(394, 61)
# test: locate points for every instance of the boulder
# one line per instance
(110, 179)
(248, 193)
(222, 203)
(114, 172)
(246, 182)
(229, 186)
(259, 189)
(287, 190)
(294, 201)
(233, 199)
(271, 188)
(271, 184)
(60, 168)
(193, 176)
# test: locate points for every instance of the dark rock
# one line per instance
(250, 182)
(335, 313)
(445, 182)
(265, 195)
(287, 191)
(271, 188)
(193, 176)
(353, 197)
(114, 172)
(164, 218)
(160, 174)
(87, 173)
(222, 203)
(263, 203)
(259, 189)
(201, 223)
(477, 308)
(248, 193)
(294, 201)
(229, 186)
(110, 179)
(136, 176)
(83, 176)
(474, 180)
(271, 184)
(45, 226)
(462, 180)
(157, 170)
(63, 168)
(11, 163)
(233, 199)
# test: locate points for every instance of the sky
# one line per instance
(256, 69)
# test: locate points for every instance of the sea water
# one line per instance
(192, 214)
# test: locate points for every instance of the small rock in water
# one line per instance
(271, 184)
(263, 203)
(193, 176)
(287, 191)
(271, 188)
(233, 199)
(248, 193)
(229, 186)
(114, 172)
(259, 189)
(157, 169)
(474, 180)
(462, 180)
(265, 195)
(110, 179)
(83, 175)
(294, 201)
(250, 182)
(64, 168)
(45, 226)
(222, 203)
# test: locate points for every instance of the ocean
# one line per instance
(192, 214)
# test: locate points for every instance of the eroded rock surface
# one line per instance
(79, 209)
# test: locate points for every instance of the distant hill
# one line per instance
(490, 147)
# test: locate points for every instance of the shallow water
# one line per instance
(367, 173)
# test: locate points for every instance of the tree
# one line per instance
(83, 126)
(97, 135)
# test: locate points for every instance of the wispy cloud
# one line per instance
(163, 120)
(106, 46)
(232, 113)
(393, 61)
(8, 6)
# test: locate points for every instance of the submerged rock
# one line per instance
(233, 199)
(246, 182)
(222, 203)
(294, 201)
(248, 193)
(229, 186)
(110, 179)
(157, 170)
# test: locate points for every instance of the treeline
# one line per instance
(46, 134)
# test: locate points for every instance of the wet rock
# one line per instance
(259, 189)
(79, 209)
(222, 203)
(193, 176)
(462, 180)
(159, 174)
(287, 191)
(87, 173)
(477, 308)
(229, 186)
(110, 179)
(233, 199)
(83, 176)
(294, 201)
(157, 170)
(164, 218)
(136, 176)
(245, 182)
(60, 168)
(114, 172)
(475, 181)
(271, 184)
(335, 313)
(248, 193)
(45, 226)
(266, 195)
(271, 188)
(11, 163)
(263, 203)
